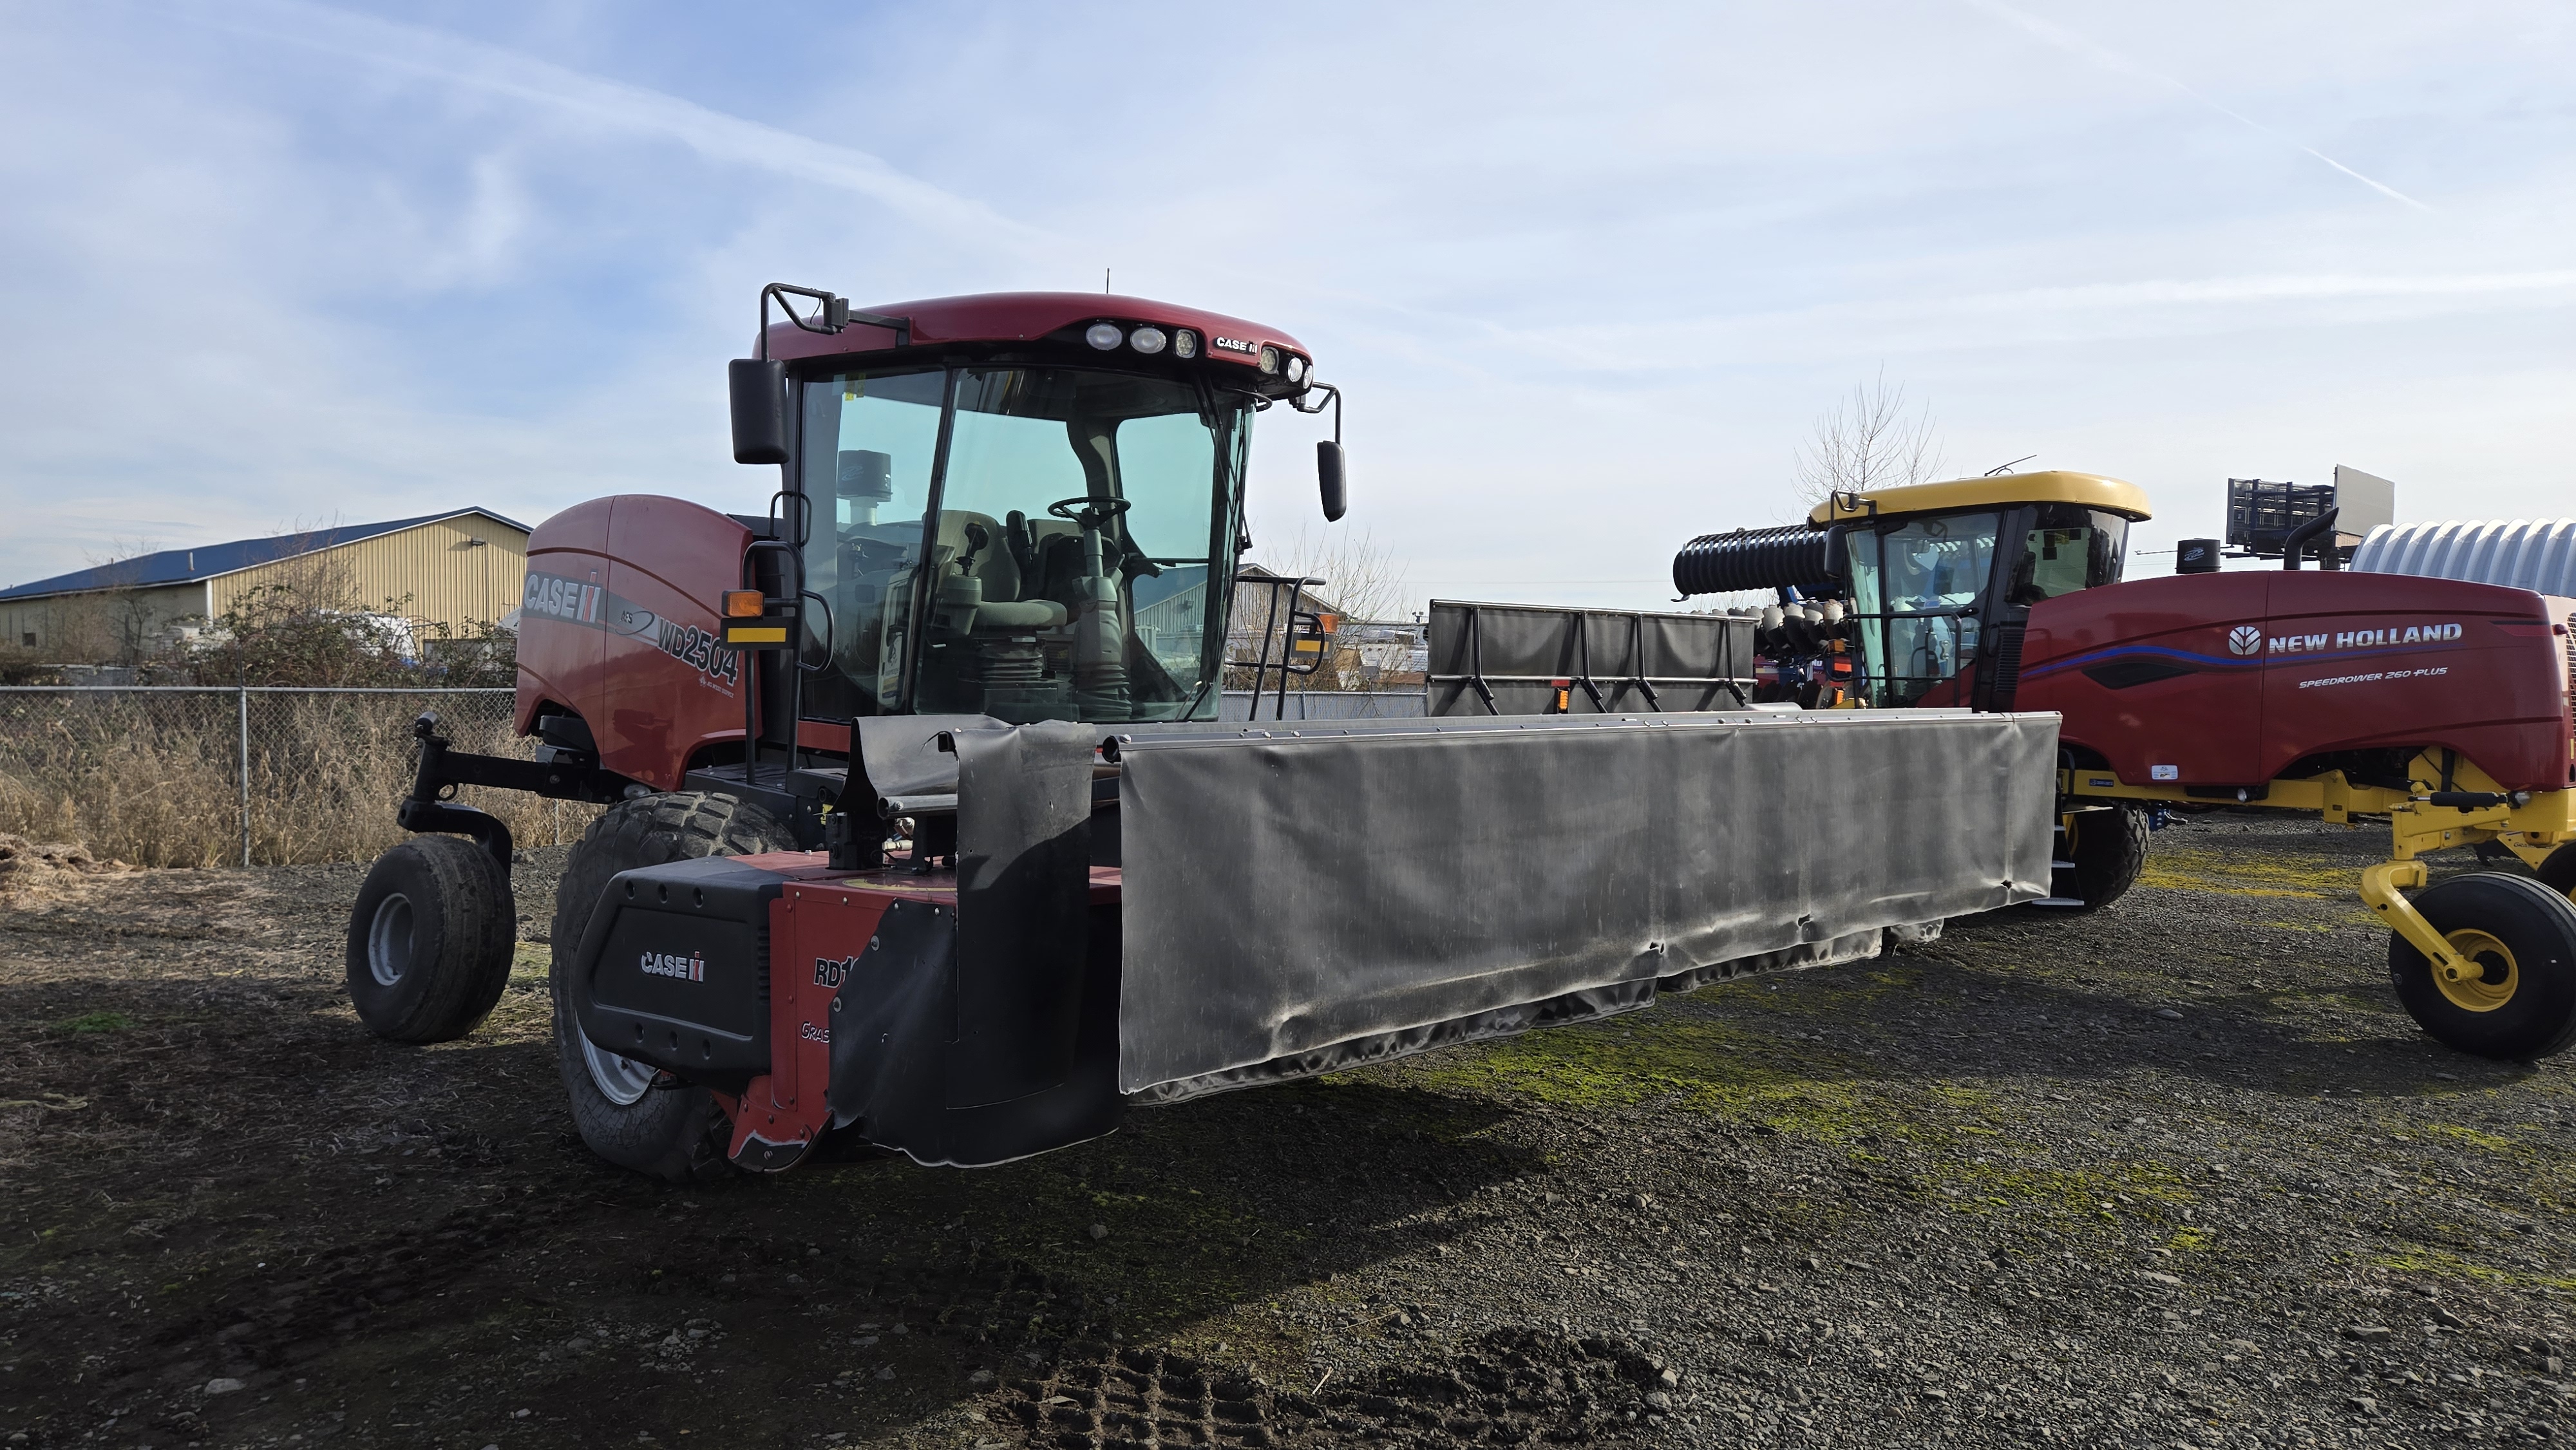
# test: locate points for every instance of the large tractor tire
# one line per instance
(2524, 935)
(430, 940)
(627, 1112)
(2101, 853)
(2557, 870)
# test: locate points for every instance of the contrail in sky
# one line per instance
(615, 105)
(2074, 44)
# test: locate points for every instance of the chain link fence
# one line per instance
(194, 775)
(211, 775)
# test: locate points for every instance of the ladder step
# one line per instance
(2054, 901)
(2063, 865)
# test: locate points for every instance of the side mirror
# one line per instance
(1837, 554)
(759, 390)
(1328, 472)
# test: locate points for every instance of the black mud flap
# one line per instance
(892, 1047)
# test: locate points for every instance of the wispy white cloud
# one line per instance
(2074, 44)
(714, 135)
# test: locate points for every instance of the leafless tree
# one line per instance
(1868, 440)
(1361, 579)
(1363, 582)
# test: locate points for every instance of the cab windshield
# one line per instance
(1056, 568)
(1917, 588)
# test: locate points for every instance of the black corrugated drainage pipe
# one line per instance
(1790, 557)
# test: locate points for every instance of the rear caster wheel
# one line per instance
(2522, 935)
(429, 940)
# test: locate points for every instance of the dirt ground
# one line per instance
(2177, 1174)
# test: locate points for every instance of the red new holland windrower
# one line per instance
(923, 833)
(2439, 705)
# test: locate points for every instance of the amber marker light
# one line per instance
(742, 604)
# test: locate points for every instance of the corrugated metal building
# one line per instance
(2534, 554)
(459, 568)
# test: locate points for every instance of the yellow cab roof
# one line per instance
(2054, 485)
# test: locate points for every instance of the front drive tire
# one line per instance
(2108, 848)
(627, 1112)
(2524, 934)
(430, 940)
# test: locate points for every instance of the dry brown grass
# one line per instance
(155, 779)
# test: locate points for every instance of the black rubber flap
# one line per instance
(1286, 894)
(900, 754)
(1023, 897)
(890, 1029)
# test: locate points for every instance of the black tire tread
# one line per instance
(675, 1134)
(2541, 1027)
(474, 934)
(2557, 870)
(2110, 852)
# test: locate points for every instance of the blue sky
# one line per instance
(1587, 273)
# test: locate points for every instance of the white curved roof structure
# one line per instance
(2534, 554)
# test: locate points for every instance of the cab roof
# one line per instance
(2003, 490)
(1029, 317)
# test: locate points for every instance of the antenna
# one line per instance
(2008, 467)
(1104, 279)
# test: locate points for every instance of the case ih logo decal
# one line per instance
(691, 968)
(563, 599)
(2244, 639)
(2393, 636)
(550, 596)
(829, 973)
(1234, 344)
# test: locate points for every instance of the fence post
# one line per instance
(245, 773)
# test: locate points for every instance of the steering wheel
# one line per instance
(1101, 509)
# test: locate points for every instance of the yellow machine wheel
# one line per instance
(2522, 937)
(2489, 991)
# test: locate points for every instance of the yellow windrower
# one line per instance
(2531, 824)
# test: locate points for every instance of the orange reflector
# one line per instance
(1309, 646)
(767, 634)
(742, 604)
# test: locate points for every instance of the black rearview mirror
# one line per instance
(1837, 554)
(759, 390)
(1328, 472)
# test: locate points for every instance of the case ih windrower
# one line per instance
(923, 833)
(2438, 704)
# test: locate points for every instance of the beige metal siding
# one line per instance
(436, 572)
(97, 626)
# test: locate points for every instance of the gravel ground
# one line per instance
(2177, 1174)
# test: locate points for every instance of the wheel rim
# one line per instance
(2489, 991)
(621, 1080)
(389, 940)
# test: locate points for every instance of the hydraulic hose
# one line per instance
(1789, 557)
